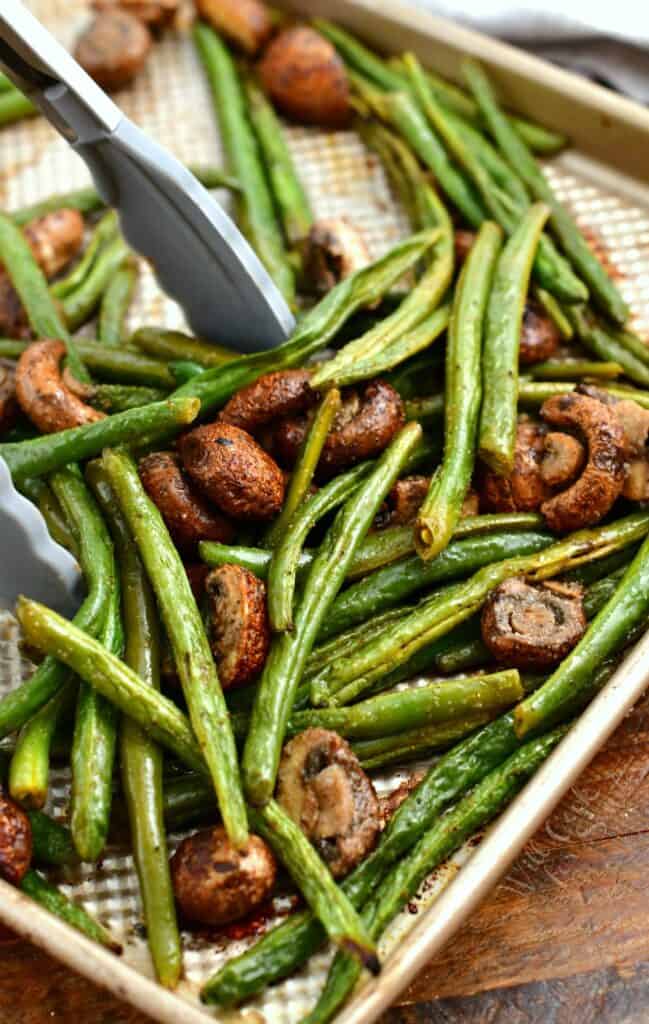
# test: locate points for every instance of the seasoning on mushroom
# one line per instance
(524, 490)
(239, 628)
(8, 402)
(214, 883)
(42, 392)
(114, 48)
(403, 501)
(15, 841)
(246, 23)
(335, 249)
(323, 788)
(272, 396)
(563, 459)
(540, 335)
(529, 625)
(463, 242)
(634, 421)
(156, 14)
(235, 472)
(305, 78)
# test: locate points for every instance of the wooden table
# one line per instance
(563, 940)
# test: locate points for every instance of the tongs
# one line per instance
(198, 254)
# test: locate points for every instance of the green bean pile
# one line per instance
(387, 558)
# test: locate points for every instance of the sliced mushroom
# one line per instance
(524, 490)
(636, 480)
(240, 632)
(186, 513)
(323, 788)
(156, 14)
(463, 242)
(233, 471)
(8, 402)
(403, 501)
(335, 249)
(114, 48)
(272, 396)
(42, 393)
(589, 499)
(529, 625)
(15, 841)
(246, 23)
(563, 459)
(540, 336)
(471, 504)
(305, 78)
(633, 419)
(215, 883)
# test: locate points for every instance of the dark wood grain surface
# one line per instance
(564, 939)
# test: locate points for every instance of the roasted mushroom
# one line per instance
(114, 48)
(636, 479)
(15, 841)
(524, 490)
(589, 499)
(272, 396)
(156, 14)
(246, 23)
(463, 242)
(305, 78)
(335, 249)
(233, 471)
(529, 625)
(239, 628)
(539, 335)
(186, 513)
(42, 392)
(215, 883)
(8, 402)
(403, 501)
(563, 459)
(323, 788)
(13, 319)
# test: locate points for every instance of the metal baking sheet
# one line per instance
(171, 102)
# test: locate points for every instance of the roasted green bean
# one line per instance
(115, 304)
(174, 345)
(80, 303)
(111, 364)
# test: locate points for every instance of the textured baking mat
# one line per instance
(171, 102)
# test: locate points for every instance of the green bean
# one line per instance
(186, 801)
(605, 635)
(309, 872)
(44, 454)
(112, 364)
(56, 522)
(79, 305)
(600, 593)
(184, 370)
(140, 758)
(30, 284)
(52, 899)
(121, 397)
(289, 651)
(174, 345)
(416, 744)
(18, 706)
(51, 841)
(106, 231)
(289, 195)
(329, 650)
(593, 572)
(378, 137)
(15, 107)
(244, 159)
(296, 494)
(435, 846)
(490, 158)
(504, 318)
(184, 626)
(555, 312)
(606, 346)
(441, 508)
(30, 762)
(115, 304)
(577, 369)
(424, 410)
(603, 289)
(6, 85)
(534, 393)
(630, 341)
(256, 560)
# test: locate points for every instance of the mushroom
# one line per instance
(272, 396)
(8, 401)
(563, 459)
(529, 625)
(463, 242)
(524, 490)
(591, 496)
(15, 841)
(305, 78)
(335, 249)
(214, 883)
(540, 335)
(114, 48)
(186, 513)
(636, 480)
(403, 501)
(155, 14)
(323, 788)
(361, 430)
(42, 392)
(239, 628)
(13, 319)
(233, 471)
(634, 421)
(246, 23)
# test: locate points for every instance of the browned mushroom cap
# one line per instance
(592, 495)
(633, 419)
(13, 319)
(403, 501)
(326, 792)
(15, 841)
(240, 632)
(525, 489)
(186, 513)
(246, 23)
(463, 242)
(215, 883)
(533, 625)
(335, 249)
(539, 335)
(156, 13)
(55, 239)
(114, 48)
(563, 459)
(305, 78)
(233, 471)
(272, 396)
(8, 400)
(42, 392)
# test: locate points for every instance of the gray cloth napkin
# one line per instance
(607, 40)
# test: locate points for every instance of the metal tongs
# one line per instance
(198, 254)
